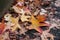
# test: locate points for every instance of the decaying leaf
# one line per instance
(22, 12)
(18, 9)
(7, 17)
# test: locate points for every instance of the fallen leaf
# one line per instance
(2, 26)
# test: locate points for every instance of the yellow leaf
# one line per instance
(15, 22)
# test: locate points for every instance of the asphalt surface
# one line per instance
(4, 5)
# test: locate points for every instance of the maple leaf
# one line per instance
(2, 26)
(36, 25)
(15, 22)
(21, 11)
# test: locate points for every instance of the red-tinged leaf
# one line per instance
(2, 26)
(41, 18)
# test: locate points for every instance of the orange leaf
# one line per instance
(2, 26)
(41, 18)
